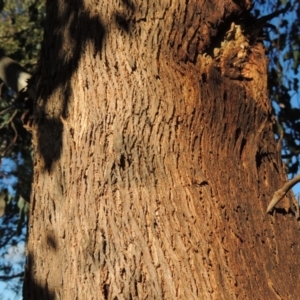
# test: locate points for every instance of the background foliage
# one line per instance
(283, 43)
(20, 35)
(21, 24)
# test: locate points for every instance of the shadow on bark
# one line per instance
(284, 212)
(69, 27)
(67, 32)
(31, 288)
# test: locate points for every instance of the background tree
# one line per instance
(155, 157)
(283, 44)
(20, 35)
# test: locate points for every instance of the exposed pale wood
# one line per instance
(279, 194)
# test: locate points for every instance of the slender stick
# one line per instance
(278, 195)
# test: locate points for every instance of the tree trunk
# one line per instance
(155, 157)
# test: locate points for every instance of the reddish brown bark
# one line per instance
(155, 158)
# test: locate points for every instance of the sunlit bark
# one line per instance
(155, 158)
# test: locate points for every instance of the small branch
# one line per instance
(13, 142)
(279, 143)
(9, 277)
(278, 195)
(287, 156)
(265, 19)
(5, 110)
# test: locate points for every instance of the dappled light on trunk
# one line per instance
(155, 158)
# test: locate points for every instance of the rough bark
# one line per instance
(155, 158)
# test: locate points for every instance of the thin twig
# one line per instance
(279, 143)
(5, 110)
(8, 277)
(12, 143)
(278, 195)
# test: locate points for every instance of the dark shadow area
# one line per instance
(125, 20)
(259, 157)
(122, 163)
(129, 4)
(122, 22)
(50, 140)
(282, 211)
(66, 34)
(37, 291)
(51, 242)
